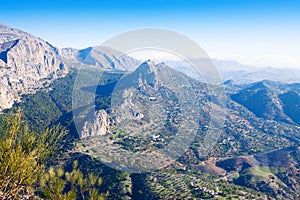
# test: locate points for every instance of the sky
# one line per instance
(255, 32)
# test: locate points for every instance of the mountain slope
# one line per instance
(291, 105)
(273, 172)
(26, 63)
(243, 134)
(263, 100)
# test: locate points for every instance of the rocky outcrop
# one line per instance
(99, 126)
(27, 63)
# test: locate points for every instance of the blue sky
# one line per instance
(258, 32)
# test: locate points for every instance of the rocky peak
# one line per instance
(27, 63)
(9, 34)
(147, 67)
(146, 74)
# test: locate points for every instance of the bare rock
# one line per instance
(99, 126)
(27, 63)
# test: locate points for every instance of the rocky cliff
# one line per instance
(26, 64)
(100, 126)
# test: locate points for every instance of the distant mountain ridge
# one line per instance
(100, 56)
(242, 73)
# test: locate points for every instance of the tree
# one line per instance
(23, 155)
(25, 165)
(60, 185)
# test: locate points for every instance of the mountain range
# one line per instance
(28, 63)
(242, 73)
(256, 154)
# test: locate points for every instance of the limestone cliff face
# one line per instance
(99, 126)
(26, 64)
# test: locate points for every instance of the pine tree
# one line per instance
(25, 157)
(60, 185)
